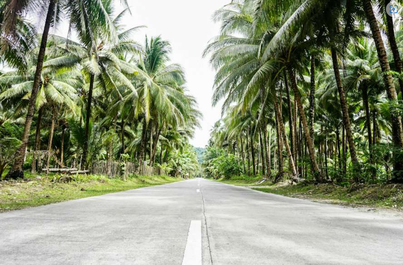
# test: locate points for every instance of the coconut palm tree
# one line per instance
(57, 89)
(11, 9)
(397, 130)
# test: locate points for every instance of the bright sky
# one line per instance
(188, 26)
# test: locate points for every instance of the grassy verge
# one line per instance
(245, 181)
(381, 196)
(51, 189)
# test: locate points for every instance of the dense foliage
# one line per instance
(218, 163)
(311, 89)
(96, 94)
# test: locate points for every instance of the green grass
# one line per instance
(52, 189)
(379, 195)
(244, 181)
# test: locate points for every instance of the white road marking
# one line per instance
(198, 190)
(193, 251)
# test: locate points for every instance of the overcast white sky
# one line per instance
(188, 26)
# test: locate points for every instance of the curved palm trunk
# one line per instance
(52, 130)
(37, 140)
(87, 121)
(346, 117)
(394, 46)
(290, 115)
(390, 89)
(315, 168)
(16, 171)
(284, 137)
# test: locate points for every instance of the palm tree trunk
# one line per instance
(87, 121)
(280, 161)
(110, 152)
(248, 151)
(326, 154)
(343, 137)
(269, 155)
(368, 119)
(284, 137)
(346, 117)
(243, 155)
(290, 115)
(391, 91)
(262, 152)
(161, 151)
(394, 46)
(62, 147)
(143, 144)
(338, 147)
(155, 145)
(123, 135)
(16, 171)
(312, 99)
(315, 168)
(37, 140)
(52, 129)
(252, 152)
(374, 137)
(297, 147)
(110, 159)
(267, 162)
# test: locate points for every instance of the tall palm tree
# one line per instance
(105, 67)
(56, 90)
(17, 39)
(390, 26)
(397, 130)
(16, 171)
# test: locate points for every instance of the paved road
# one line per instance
(151, 226)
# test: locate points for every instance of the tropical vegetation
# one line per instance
(311, 89)
(93, 95)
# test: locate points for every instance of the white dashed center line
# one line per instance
(193, 251)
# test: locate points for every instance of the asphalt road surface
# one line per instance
(198, 222)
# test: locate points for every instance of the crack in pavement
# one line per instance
(205, 224)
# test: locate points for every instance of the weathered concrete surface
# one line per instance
(250, 227)
(150, 226)
(143, 226)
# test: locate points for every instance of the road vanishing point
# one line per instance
(198, 222)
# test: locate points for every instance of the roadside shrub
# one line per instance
(220, 164)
